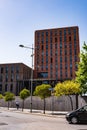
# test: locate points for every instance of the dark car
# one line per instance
(77, 116)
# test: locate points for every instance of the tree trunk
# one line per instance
(71, 101)
(44, 105)
(23, 105)
(76, 101)
(8, 105)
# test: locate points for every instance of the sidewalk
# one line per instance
(38, 112)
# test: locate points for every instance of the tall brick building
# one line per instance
(56, 54)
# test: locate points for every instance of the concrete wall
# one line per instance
(52, 103)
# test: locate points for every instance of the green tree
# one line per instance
(9, 97)
(43, 92)
(25, 93)
(68, 88)
(81, 74)
(1, 96)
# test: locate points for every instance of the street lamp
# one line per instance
(31, 73)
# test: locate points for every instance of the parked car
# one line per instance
(77, 116)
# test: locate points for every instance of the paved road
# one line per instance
(14, 120)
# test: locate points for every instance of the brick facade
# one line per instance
(57, 53)
(11, 74)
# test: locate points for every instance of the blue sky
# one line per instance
(20, 18)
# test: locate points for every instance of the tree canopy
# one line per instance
(25, 93)
(69, 87)
(43, 91)
(81, 74)
(1, 96)
(9, 96)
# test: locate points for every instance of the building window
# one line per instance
(60, 32)
(42, 53)
(43, 75)
(65, 39)
(51, 52)
(70, 52)
(66, 67)
(51, 46)
(56, 60)
(60, 44)
(70, 45)
(38, 41)
(46, 53)
(47, 47)
(64, 32)
(75, 45)
(56, 52)
(0, 87)
(60, 39)
(51, 40)
(66, 74)
(75, 52)
(69, 31)
(42, 59)
(55, 39)
(6, 78)
(38, 34)
(17, 76)
(60, 59)
(51, 33)
(75, 58)
(61, 74)
(76, 67)
(2, 70)
(1, 78)
(74, 31)
(51, 67)
(46, 67)
(12, 77)
(65, 45)
(17, 69)
(12, 69)
(60, 66)
(60, 52)
(6, 69)
(56, 74)
(51, 74)
(55, 32)
(6, 87)
(70, 73)
(42, 41)
(47, 60)
(74, 38)
(65, 51)
(51, 60)
(70, 65)
(69, 38)
(47, 34)
(42, 47)
(11, 88)
(70, 59)
(46, 39)
(56, 46)
(42, 34)
(65, 59)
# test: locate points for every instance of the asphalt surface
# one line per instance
(38, 112)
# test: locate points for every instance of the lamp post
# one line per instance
(31, 73)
